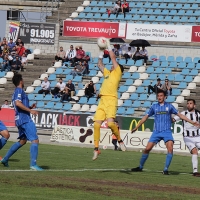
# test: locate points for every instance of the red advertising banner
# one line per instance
(7, 116)
(195, 33)
(94, 29)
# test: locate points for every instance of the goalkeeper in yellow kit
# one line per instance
(107, 107)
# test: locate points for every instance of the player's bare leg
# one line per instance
(112, 125)
(144, 157)
(194, 153)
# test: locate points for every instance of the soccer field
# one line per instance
(71, 174)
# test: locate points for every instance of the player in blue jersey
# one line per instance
(162, 112)
(26, 127)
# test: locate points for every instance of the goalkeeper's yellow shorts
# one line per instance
(107, 108)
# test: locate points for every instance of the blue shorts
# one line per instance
(28, 131)
(158, 136)
(2, 126)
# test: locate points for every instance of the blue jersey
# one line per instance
(21, 116)
(162, 116)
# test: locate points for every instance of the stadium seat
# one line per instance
(142, 97)
(176, 92)
(126, 75)
(167, 71)
(28, 90)
(131, 89)
(66, 71)
(120, 111)
(49, 105)
(36, 83)
(152, 97)
(85, 108)
(179, 99)
(77, 79)
(83, 100)
(129, 82)
(39, 97)
(173, 64)
(129, 111)
(178, 78)
(182, 65)
(93, 108)
(191, 86)
(122, 88)
(47, 97)
(185, 72)
(135, 76)
(179, 59)
(140, 90)
(67, 106)
(146, 104)
(120, 102)
(127, 103)
(31, 97)
(170, 99)
(92, 101)
(185, 93)
(76, 107)
(58, 71)
(164, 64)
(194, 72)
(188, 79)
(182, 85)
(132, 69)
(125, 95)
(191, 65)
(141, 69)
(146, 83)
(137, 82)
(143, 76)
(40, 104)
(81, 93)
(136, 104)
(150, 70)
(156, 64)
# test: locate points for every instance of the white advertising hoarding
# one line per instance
(158, 32)
(137, 140)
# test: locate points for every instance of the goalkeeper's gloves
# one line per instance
(108, 45)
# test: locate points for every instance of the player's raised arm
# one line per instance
(140, 123)
(183, 117)
(100, 61)
(112, 55)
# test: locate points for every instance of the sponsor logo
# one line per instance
(136, 123)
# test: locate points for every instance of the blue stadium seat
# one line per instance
(144, 18)
(67, 106)
(162, 76)
(100, 3)
(135, 76)
(126, 75)
(47, 97)
(159, 70)
(167, 71)
(181, 12)
(140, 90)
(152, 97)
(129, 82)
(147, 104)
(122, 62)
(185, 72)
(95, 60)
(130, 62)
(162, 58)
(66, 71)
(188, 59)
(173, 64)
(92, 101)
(133, 10)
(129, 111)
(156, 64)
(197, 66)
(170, 99)
(160, 18)
(142, 97)
(39, 97)
(53, 84)
(182, 65)
(2, 74)
(58, 71)
(171, 77)
(139, 5)
(179, 59)
(178, 6)
(175, 19)
(154, 5)
(122, 88)
(149, 11)
(31, 97)
(97, 16)
(81, 16)
(101, 80)
(40, 104)
(153, 57)
(58, 106)
(87, 9)
(127, 103)
(182, 85)
(68, 77)
(147, 5)
(189, 12)
(188, 79)
(52, 77)
(170, 59)
(136, 104)
(134, 96)
(194, 72)
(120, 111)
(186, 6)
(97, 86)
(136, 17)
(141, 11)
(108, 4)
(165, 12)
(83, 100)
(191, 65)
(49, 105)
(89, 16)
(176, 92)
(170, 6)
(167, 19)
(146, 83)
(37, 89)
(92, 73)
(93, 3)
(150, 70)
(196, 59)
(139, 63)
(164, 64)
(163, 5)
(153, 76)
(103, 10)
(194, 7)
(179, 78)
(77, 79)
(152, 18)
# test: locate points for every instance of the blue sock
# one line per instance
(168, 161)
(143, 160)
(34, 153)
(12, 150)
(2, 142)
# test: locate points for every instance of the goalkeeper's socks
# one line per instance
(96, 149)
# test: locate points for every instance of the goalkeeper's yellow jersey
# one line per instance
(111, 82)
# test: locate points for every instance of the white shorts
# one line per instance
(192, 142)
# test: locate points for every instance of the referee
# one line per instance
(162, 112)
(191, 133)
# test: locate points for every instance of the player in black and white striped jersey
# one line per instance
(191, 133)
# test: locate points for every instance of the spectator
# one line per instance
(78, 70)
(19, 41)
(59, 88)
(66, 96)
(144, 54)
(70, 55)
(16, 65)
(136, 55)
(117, 50)
(23, 60)
(5, 49)
(80, 53)
(128, 54)
(60, 55)
(45, 87)
(90, 90)
(71, 88)
(4, 42)
(166, 87)
(11, 44)
(117, 8)
(156, 88)
(125, 8)
(13, 52)
(86, 65)
(20, 49)
(5, 105)
(6, 64)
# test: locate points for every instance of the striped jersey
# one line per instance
(189, 130)
(21, 116)
(162, 116)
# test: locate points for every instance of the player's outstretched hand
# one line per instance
(196, 124)
(34, 112)
(33, 106)
(133, 130)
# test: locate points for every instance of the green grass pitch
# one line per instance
(71, 174)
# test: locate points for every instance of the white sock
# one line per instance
(195, 163)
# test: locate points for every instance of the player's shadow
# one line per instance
(45, 167)
(179, 173)
(125, 171)
(14, 160)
